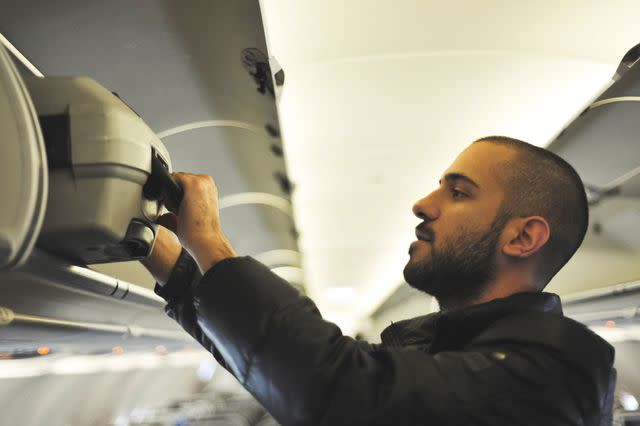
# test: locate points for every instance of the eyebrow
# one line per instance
(453, 177)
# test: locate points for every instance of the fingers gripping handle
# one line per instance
(161, 186)
(172, 193)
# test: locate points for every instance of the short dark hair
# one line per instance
(540, 183)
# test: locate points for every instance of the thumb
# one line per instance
(169, 221)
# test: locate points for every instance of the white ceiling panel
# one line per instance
(312, 31)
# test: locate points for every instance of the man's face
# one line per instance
(454, 258)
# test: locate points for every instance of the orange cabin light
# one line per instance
(117, 350)
(43, 350)
(611, 324)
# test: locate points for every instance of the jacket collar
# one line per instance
(453, 329)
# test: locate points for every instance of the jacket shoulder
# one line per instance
(563, 338)
(585, 356)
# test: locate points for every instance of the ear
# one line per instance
(528, 235)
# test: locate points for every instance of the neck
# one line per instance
(498, 289)
(501, 292)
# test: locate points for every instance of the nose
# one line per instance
(426, 208)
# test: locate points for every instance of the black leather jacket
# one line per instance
(512, 361)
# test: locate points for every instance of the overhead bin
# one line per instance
(83, 178)
(603, 142)
(23, 170)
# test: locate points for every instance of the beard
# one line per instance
(460, 270)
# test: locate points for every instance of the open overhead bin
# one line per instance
(23, 169)
(82, 180)
(81, 173)
(603, 142)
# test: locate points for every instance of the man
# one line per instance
(504, 219)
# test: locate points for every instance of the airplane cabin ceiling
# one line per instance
(380, 97)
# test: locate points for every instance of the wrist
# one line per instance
(163, 257)
(211, 251)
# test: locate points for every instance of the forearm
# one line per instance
(180, 275)
(178, 292)
(267, 333)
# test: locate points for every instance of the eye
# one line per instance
(456, 193)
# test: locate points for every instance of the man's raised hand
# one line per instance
(197, 223)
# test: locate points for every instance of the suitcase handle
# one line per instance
(161, 186)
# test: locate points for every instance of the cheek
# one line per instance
(458, 229)
(469, 214)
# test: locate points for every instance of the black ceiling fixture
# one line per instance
(272, 130)
(256, 63)
(277, 150)
(283, 181)
(596, 194)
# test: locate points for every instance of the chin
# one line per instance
(418, 257)
(412, 271)
(413, 262)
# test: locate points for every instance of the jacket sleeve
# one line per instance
(305, 372)
(179, 292)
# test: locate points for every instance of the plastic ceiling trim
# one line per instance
(292, 274)
(624, 178)
(264, 198)
(614, 100)
(10, 47)
(280, 257)
(88, 281)
(212, 123)
(128, 330)
(616, 290)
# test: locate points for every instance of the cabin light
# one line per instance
(91, 364)
(43, 350)
(121, 421)
(340, 295)
(117, 350)
(206, 370)
(628, 401)
(293, 274)
(611, 335)
(611, 324)
(346, 322)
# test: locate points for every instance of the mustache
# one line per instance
(423, 232)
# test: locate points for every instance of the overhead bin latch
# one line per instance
(628, 60)
(257, 65)
(6, 316)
